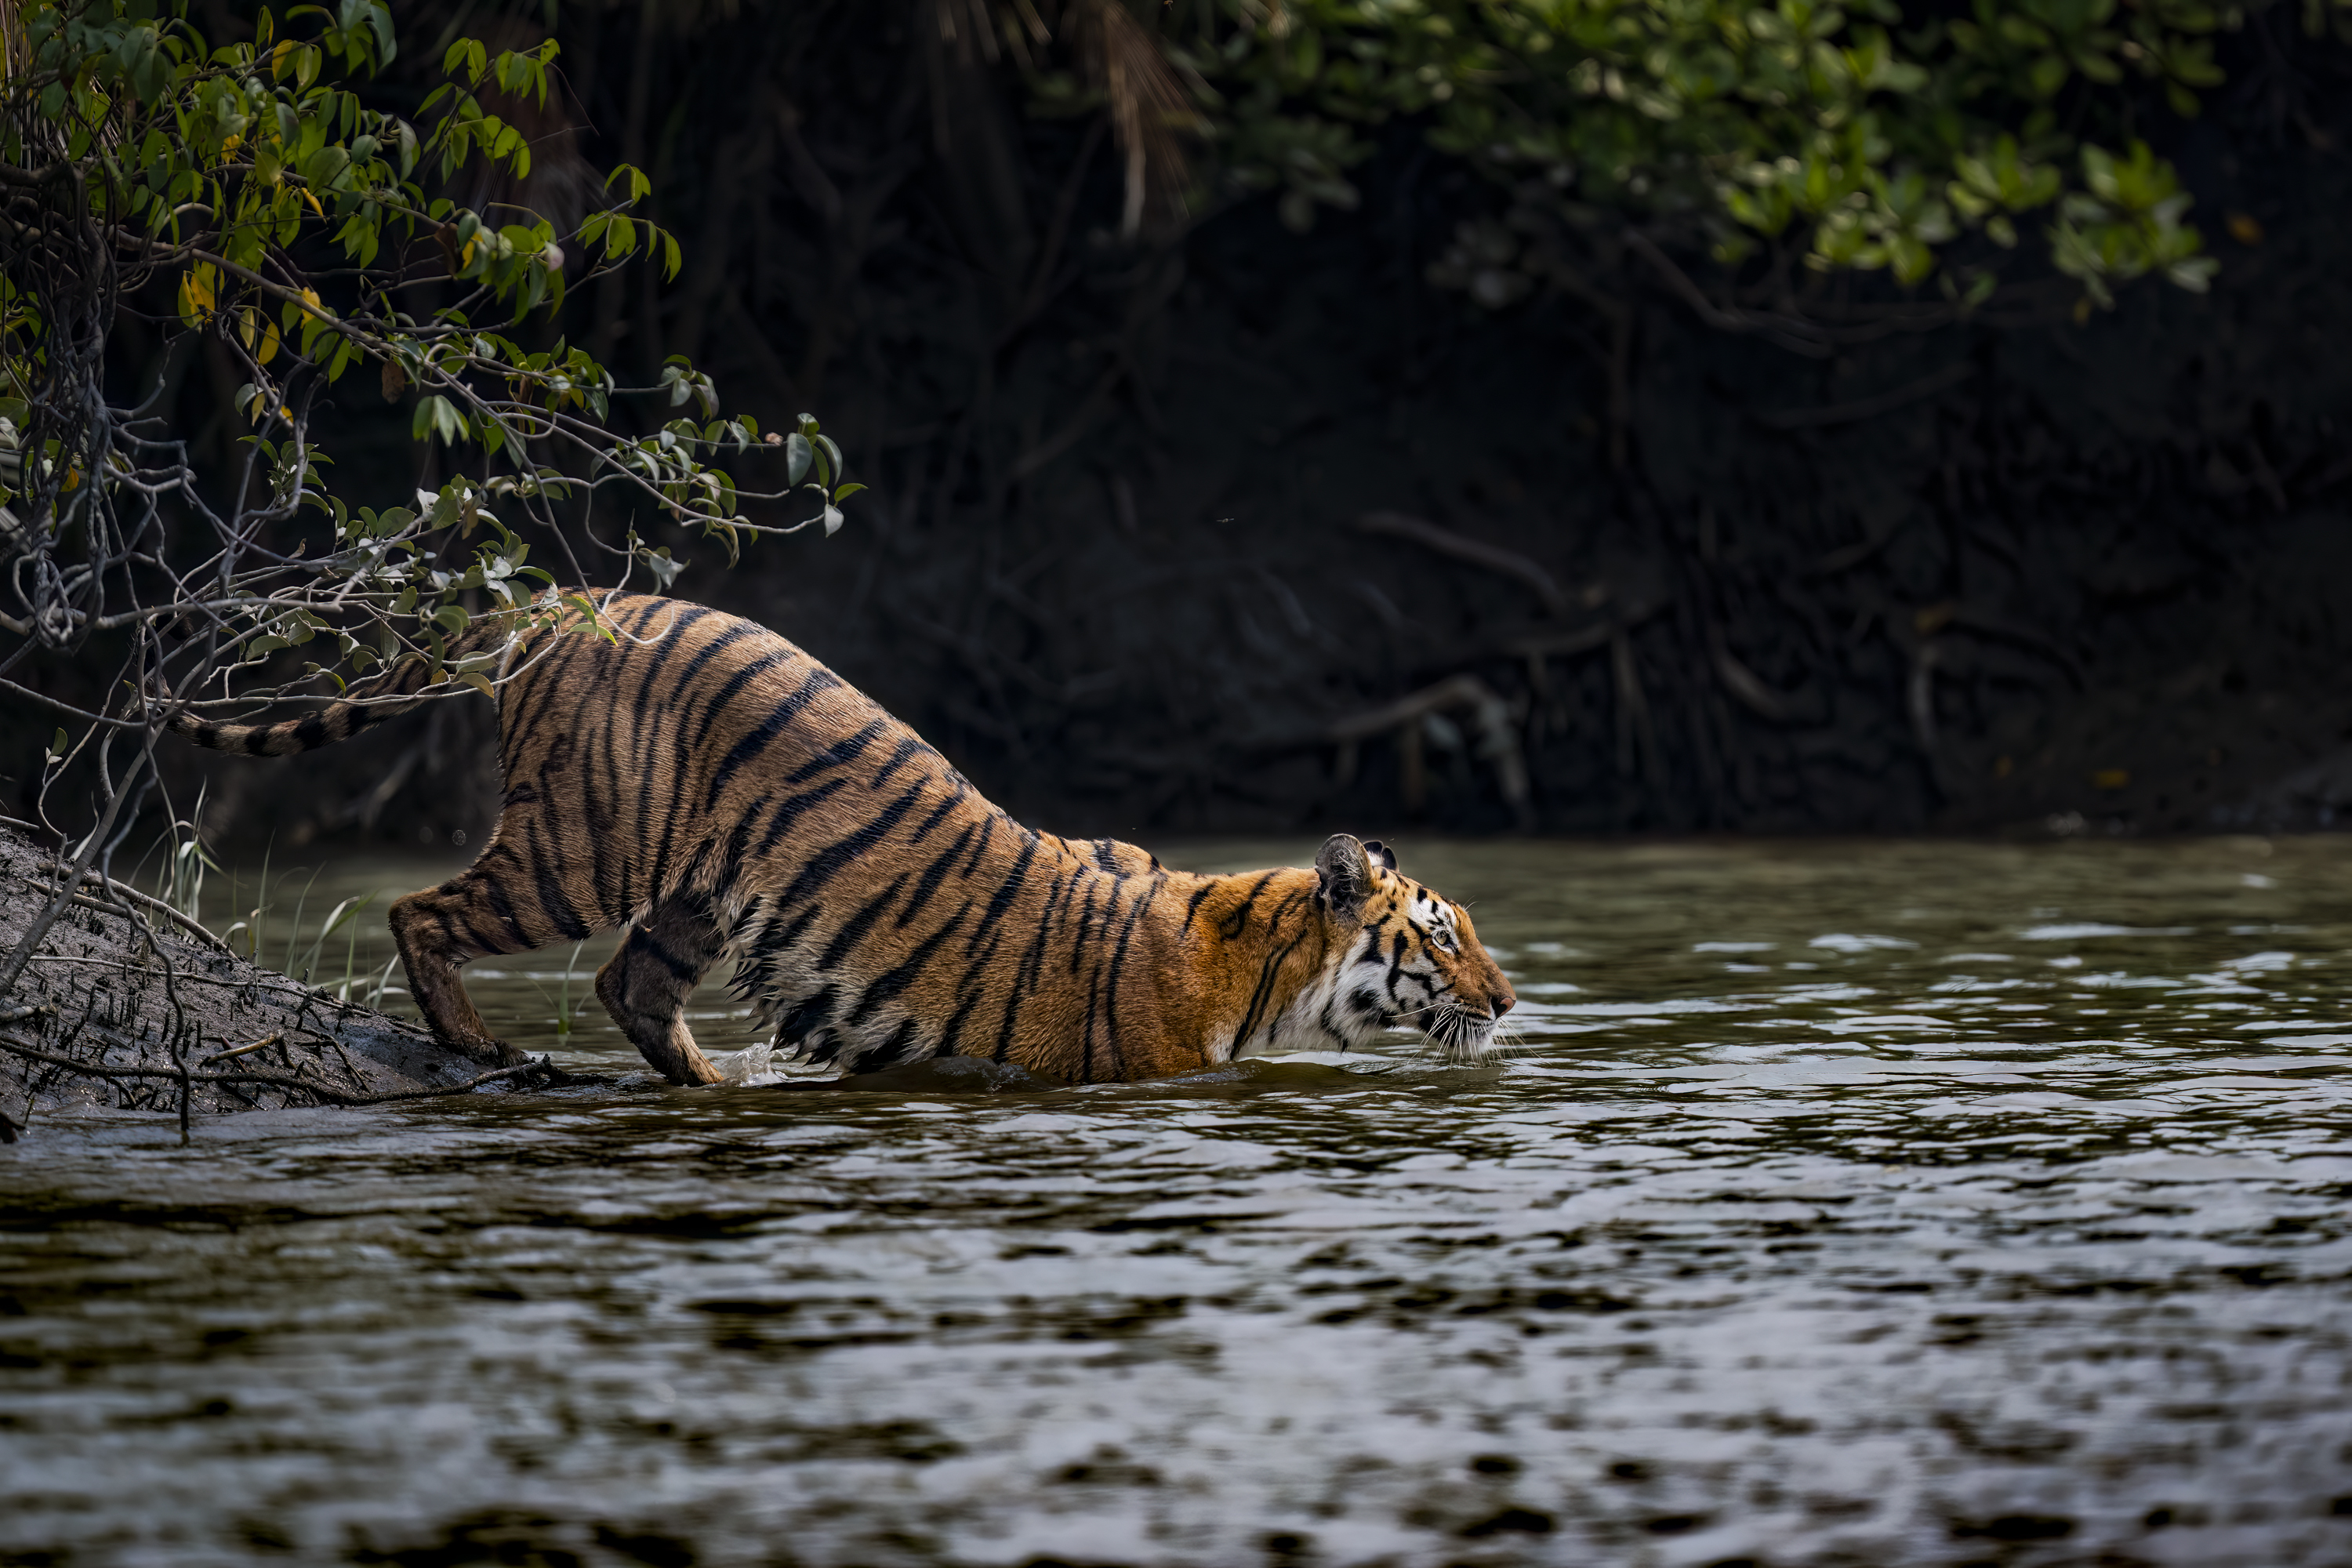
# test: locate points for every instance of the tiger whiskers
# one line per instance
(1461, 1038)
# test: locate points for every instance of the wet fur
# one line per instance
(703, 781)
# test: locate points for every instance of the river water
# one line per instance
(1859, 1203)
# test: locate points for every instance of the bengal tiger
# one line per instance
(697, 778)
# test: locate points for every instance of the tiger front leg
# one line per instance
(646, 984)
(434, 938)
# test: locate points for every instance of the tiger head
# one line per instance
(1401, 954)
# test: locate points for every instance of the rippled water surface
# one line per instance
(1877, 1204)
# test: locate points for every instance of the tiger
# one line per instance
(696, 779)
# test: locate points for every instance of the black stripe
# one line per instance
(648, 746)
(1230, 926)
(642, 941)
(643, 733)
(886, 1054)
(954, 1032)
(743, 677)
(1014, 995)
(854, 928)
(788, 811)
(808, 1016)
(1004, 896)
(1264, 994)
(955, 797)
(601, 802)
(1118, 963)
(840, 752)
(887, 985)
(684, 748)
(554, 901)
(525, 721)
(661, 654)
(1192, 905)
(906, 748)
(1087, 1034)
(1086, 918)
(1025, 977)
(819, 682)
(933, 875)
(987, 832)
(496, 897)
(769, 949)
(1106, 856)
(828, 862)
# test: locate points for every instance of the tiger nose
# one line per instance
(1504, 1000)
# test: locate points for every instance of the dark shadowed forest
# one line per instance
(1432, 509)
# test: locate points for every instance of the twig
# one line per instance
(1796, 335)
(266, 1040)
(1454, 691)
(1583, 639)
(1477, 552)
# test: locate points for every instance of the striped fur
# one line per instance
(705, 783)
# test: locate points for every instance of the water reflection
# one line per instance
(1846, 1204)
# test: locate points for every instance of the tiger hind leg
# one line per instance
(441, 928)
(646, 984)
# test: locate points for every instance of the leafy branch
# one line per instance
(252, 199)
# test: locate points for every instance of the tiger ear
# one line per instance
(1343, 878)
(1381, 853)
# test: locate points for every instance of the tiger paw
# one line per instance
(490, 1052)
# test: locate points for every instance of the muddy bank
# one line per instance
(124, 1004)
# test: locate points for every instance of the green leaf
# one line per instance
(639, 187)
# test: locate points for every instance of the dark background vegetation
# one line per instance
(2084, 572)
